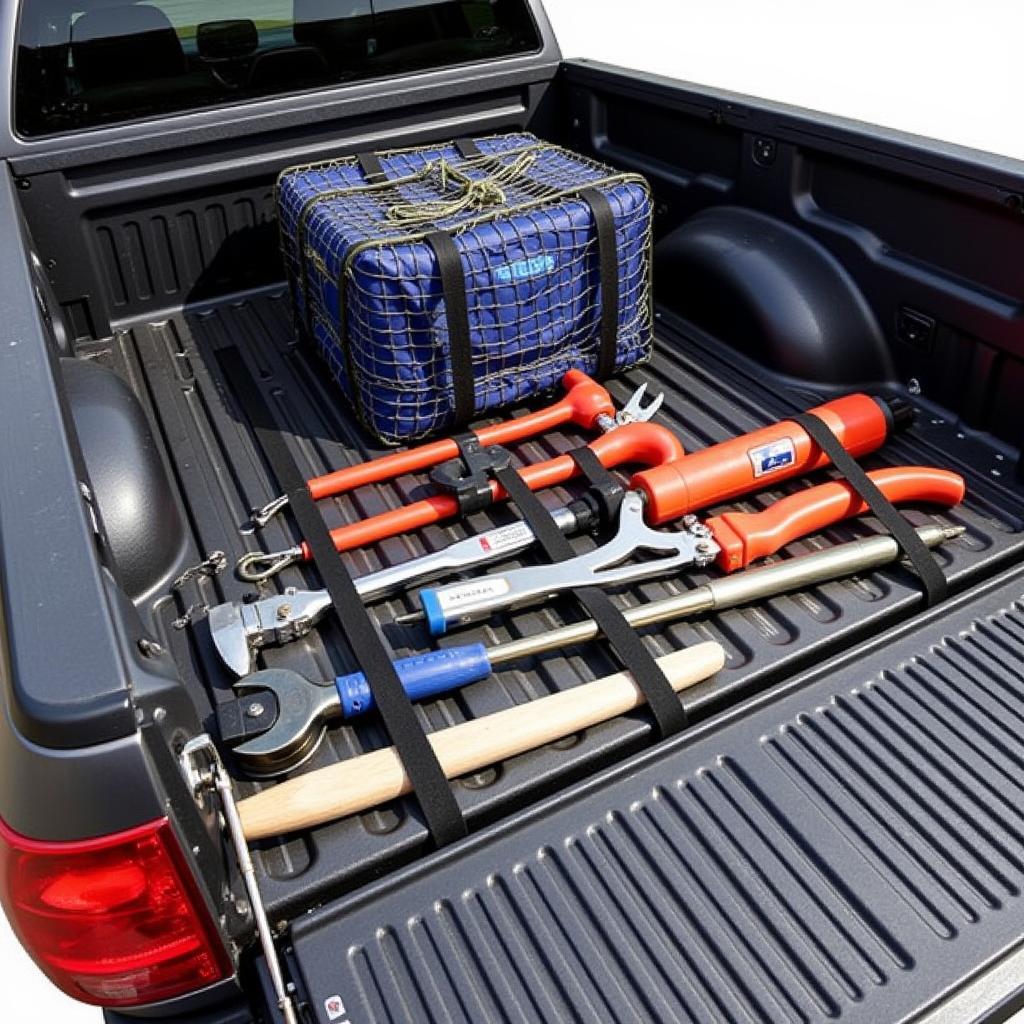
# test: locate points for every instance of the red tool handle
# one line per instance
(758, 460)
(647, 444)
(584, 402)
(745, 536)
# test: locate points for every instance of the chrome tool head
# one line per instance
(303, 711)
(259, 517)
(228, 632)
(239, 630)
(634, 411)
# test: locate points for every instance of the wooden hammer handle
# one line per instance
(371, 779)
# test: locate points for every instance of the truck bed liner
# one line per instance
(711, 394)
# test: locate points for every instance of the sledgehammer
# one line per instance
(368, 780)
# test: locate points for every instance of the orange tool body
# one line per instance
(758, 459)
(674, 485)
(746, 536)
(646, 444)
(586, 403)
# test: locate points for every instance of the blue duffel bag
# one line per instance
(444, 282)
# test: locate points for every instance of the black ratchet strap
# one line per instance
(608, 262)
(431, 788)
(453, 286)
(370, 165)
(933, 580)
(468, 149)
(468, 479)
(603, 498)
(668, 711)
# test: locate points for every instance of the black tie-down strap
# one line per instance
(608, 270)
(370, 165)
(668, 711)
(605, 491)
(933, 581)
(460, 350)
(468, 479)
(373, 170)
(431, 788)
(468, 149)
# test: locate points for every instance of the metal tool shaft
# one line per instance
(476, 599)
(479, 549)
(305, 708)
(729, 591)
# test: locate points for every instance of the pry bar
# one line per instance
(306, 708)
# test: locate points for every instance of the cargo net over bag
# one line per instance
(440, 285)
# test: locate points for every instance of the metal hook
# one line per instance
(258, 566)
(261, 516)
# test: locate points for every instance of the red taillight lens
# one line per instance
(116, 920)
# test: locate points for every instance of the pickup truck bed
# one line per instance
(711, 395)
(838, 836)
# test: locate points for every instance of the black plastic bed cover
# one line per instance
(850, 849)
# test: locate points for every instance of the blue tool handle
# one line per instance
(423, 675)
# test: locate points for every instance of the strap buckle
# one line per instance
(472, 489)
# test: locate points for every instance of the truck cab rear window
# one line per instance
(83, 63)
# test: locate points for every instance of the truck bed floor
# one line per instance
(711, 395)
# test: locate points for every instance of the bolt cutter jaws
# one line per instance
(634, 411)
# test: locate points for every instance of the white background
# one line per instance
(943, 68)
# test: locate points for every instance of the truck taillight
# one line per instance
(115, 920)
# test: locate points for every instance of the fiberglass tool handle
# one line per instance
(308, 707)
(372, 779)
(586, 404)
(757, 460)
(648, 444)
(732, 540)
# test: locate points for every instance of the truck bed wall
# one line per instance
(928, 235)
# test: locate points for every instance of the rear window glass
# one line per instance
(82, 63)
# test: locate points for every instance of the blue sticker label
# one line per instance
(770, 458)
(520, 270)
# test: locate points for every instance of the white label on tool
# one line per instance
(334, 1007)
(505, 538)
(770, 458)
(456, 598)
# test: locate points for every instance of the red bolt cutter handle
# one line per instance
(645, 443)
(745, 536)
(674, 485)
(584, 402)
